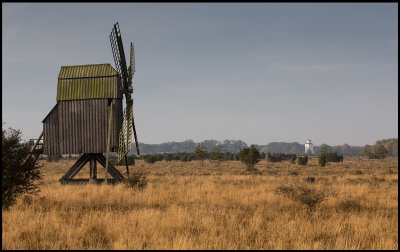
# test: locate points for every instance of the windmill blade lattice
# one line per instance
(125, 134)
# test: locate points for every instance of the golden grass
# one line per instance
(218, 206)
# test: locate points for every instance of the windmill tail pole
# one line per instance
(33, 148)
(108, 142)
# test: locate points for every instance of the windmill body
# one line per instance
(89, 118)
(78, 122)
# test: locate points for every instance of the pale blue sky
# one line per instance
(258, 72)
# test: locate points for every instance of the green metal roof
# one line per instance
(88, 82)
(85, 71)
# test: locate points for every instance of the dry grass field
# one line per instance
(218, 206)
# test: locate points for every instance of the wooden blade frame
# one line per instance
(126, 76)
(119, 54)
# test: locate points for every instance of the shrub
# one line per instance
(151, 159)
(18, 176)
(200, 154)
(278, 157)
(250, 156)
(309, 197)
(168, 157)
(137, 181)
(217, 155)
(302, 160)
(322, 160)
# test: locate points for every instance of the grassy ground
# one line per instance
(218, 206)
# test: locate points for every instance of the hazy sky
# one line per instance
(258, 72)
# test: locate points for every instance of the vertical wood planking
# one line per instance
(81, 126)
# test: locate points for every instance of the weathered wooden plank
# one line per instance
(87, 128)
(61, 123)
(72, 113)
(55, 141)
(80, 126)
(68, 136)
(98, 122)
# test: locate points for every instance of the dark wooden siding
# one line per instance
(50, 133)
(83, 125)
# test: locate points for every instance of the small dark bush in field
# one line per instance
(322, 160)
(278, 157)
(302, 160)
(250, 156)
(151, 159)
(309, 197)
(293, 160)
(359, 172)
(310, 179)
(137, 181)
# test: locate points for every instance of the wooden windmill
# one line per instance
(88, 118)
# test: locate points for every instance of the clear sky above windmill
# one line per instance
(258, 72)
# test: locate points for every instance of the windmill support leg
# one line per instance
(92, 159)
(108, 140)
(127, 168)
(93, 169)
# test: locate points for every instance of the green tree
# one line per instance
(325, 148)
(200, 154)
(302, 160)
(322, 159)
(381, 151)
(250, 156)
(18, 176)
(217, 155)
(367, 150)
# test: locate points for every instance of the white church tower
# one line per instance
(309, 146)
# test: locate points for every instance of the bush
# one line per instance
(168, 157)
(322, 160)
(250, 156)
(200, 154)
(17, 177)
(137, 181)
(278, 157)
(151, 159)
(309, 197)
(302, 160)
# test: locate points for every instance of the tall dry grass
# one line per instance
(218, 206)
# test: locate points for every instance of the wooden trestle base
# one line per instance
(92, 158)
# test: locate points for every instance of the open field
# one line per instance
(218, 206)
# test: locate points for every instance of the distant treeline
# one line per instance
(229, 149)
(234, 146)
(382, 148)
(278, 157)
(181, 156)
